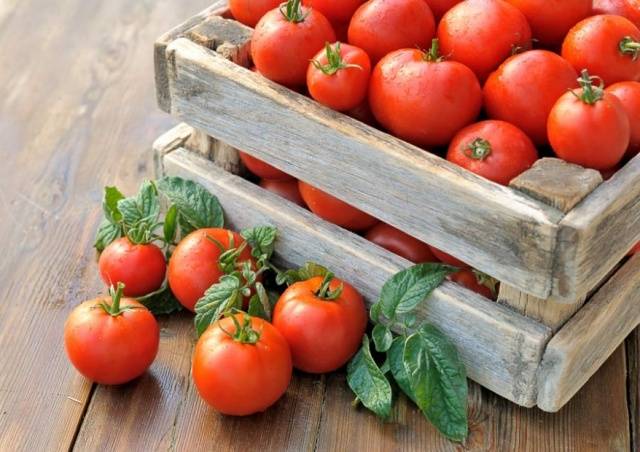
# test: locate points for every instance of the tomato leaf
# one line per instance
(382, 338)
(369, 383)
(161, 302)
(262, 241)
(143, 208)
(197, 207)
(218, 299)
(110, 204)
(395, 358)
(438, 381)
(170, 224)
(259, 304)
(308, 271)
(107, 233)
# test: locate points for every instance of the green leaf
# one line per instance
(374, 312)
(107, 233)
(382, 338)
(218, 299)
(308, 271)
(144, 208)
(395, 357)
(161, 302)
(262, 241)
(197, 207)
(260, 304)
(368, 382)
(406, 289)
(170, 224)
(438, 381)
(110, 204)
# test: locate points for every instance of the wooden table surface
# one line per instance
(77, 111)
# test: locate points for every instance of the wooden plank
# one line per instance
(632, 346)
(421, 194)
(598, 233)
(575, 353)
(179, 136)
(500, 348)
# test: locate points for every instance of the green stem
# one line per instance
(433, 55)
(629, 46)
(324, 287)
(590, 93)
(114, 309)
(334, 61)
(478, 149)
(292, 11)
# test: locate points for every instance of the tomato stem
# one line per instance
(325, 293)
(245, 334)
(629, 46)
(478, 149)
(590, 93)
(487, 281)
(433, 55)
(334, 61)
(292, 11)
(114, 309)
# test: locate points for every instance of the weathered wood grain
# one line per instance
(576, 352)
(180, 136)
(500, 348)
(433, 199)
(632, 346)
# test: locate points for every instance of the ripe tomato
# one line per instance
(141, 268)
(550, 20)
(333, 210)
(287, 189)
(322, 323)
(194, 266)
(363, 114)
(482, 33)
(262, 169)
(249, 12)
(629, 94)
(475, 281)
(625, 8)
(607, 46)
(423, 99)
(111, 340)
(440, 7)
(507, 92)
(338, 76)
(241, 365)
(283, 44)
(382, 26)
(447, 258)
(589, 127)
(336, 11)
(493, 149)
(398, 242)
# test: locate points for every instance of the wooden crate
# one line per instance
(552, 238)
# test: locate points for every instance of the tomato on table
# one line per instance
(476, 281)
(111, 340)
(287, 189)
(194, 265)
(508, 90)
(241, 365)
(286, 39)
(493, 149)
(334, 210)
(422, 98)
(447, 258)
(249, 12)
(628, 93)
(607, 46)
(382, 26)
(589, 126)
(337, 12)
(481, 34)
(262, 169)
(140, 267)
(400, 243)
(625, 8)
(323, 320)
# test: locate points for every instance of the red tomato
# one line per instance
(323, 333)
(469, 279)
(440, 7)
(423, 99)
(550, 20)
(282, 46)
(333, 210)
(111, 340)
(399, 243)
(629, 94)
(607, 46)
(447, 258)
(194, 266)
(589, 127)
(483, 33)
(382, 26)
(493, 149)
(635, 249)
(336, 11)
(507, 92)
(338, 76)
(249, 12)
(262, 169)
(625, 8)
(141, 268)
(287, 189)
(241, 368)
(363, 114)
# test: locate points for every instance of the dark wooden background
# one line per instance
(77, 111)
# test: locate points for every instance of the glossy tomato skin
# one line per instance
(506, 150)
(141, 268)
(194, 267)
(262, 169)
(594, 136)
(628, 93)
(468, 279)
(281, 50)
(447, 258)
(336, 11)
(625, 8)
(399, 243)
(550, 20)
(287, 189)
(481, 34)
(323, 334)
(249, 12)
(507, 92)
(334, 210)
(593, 44)
(110, 349)
(423, 102)
(345, 89)
(382, 26)
(237, 378)
(440, 7)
